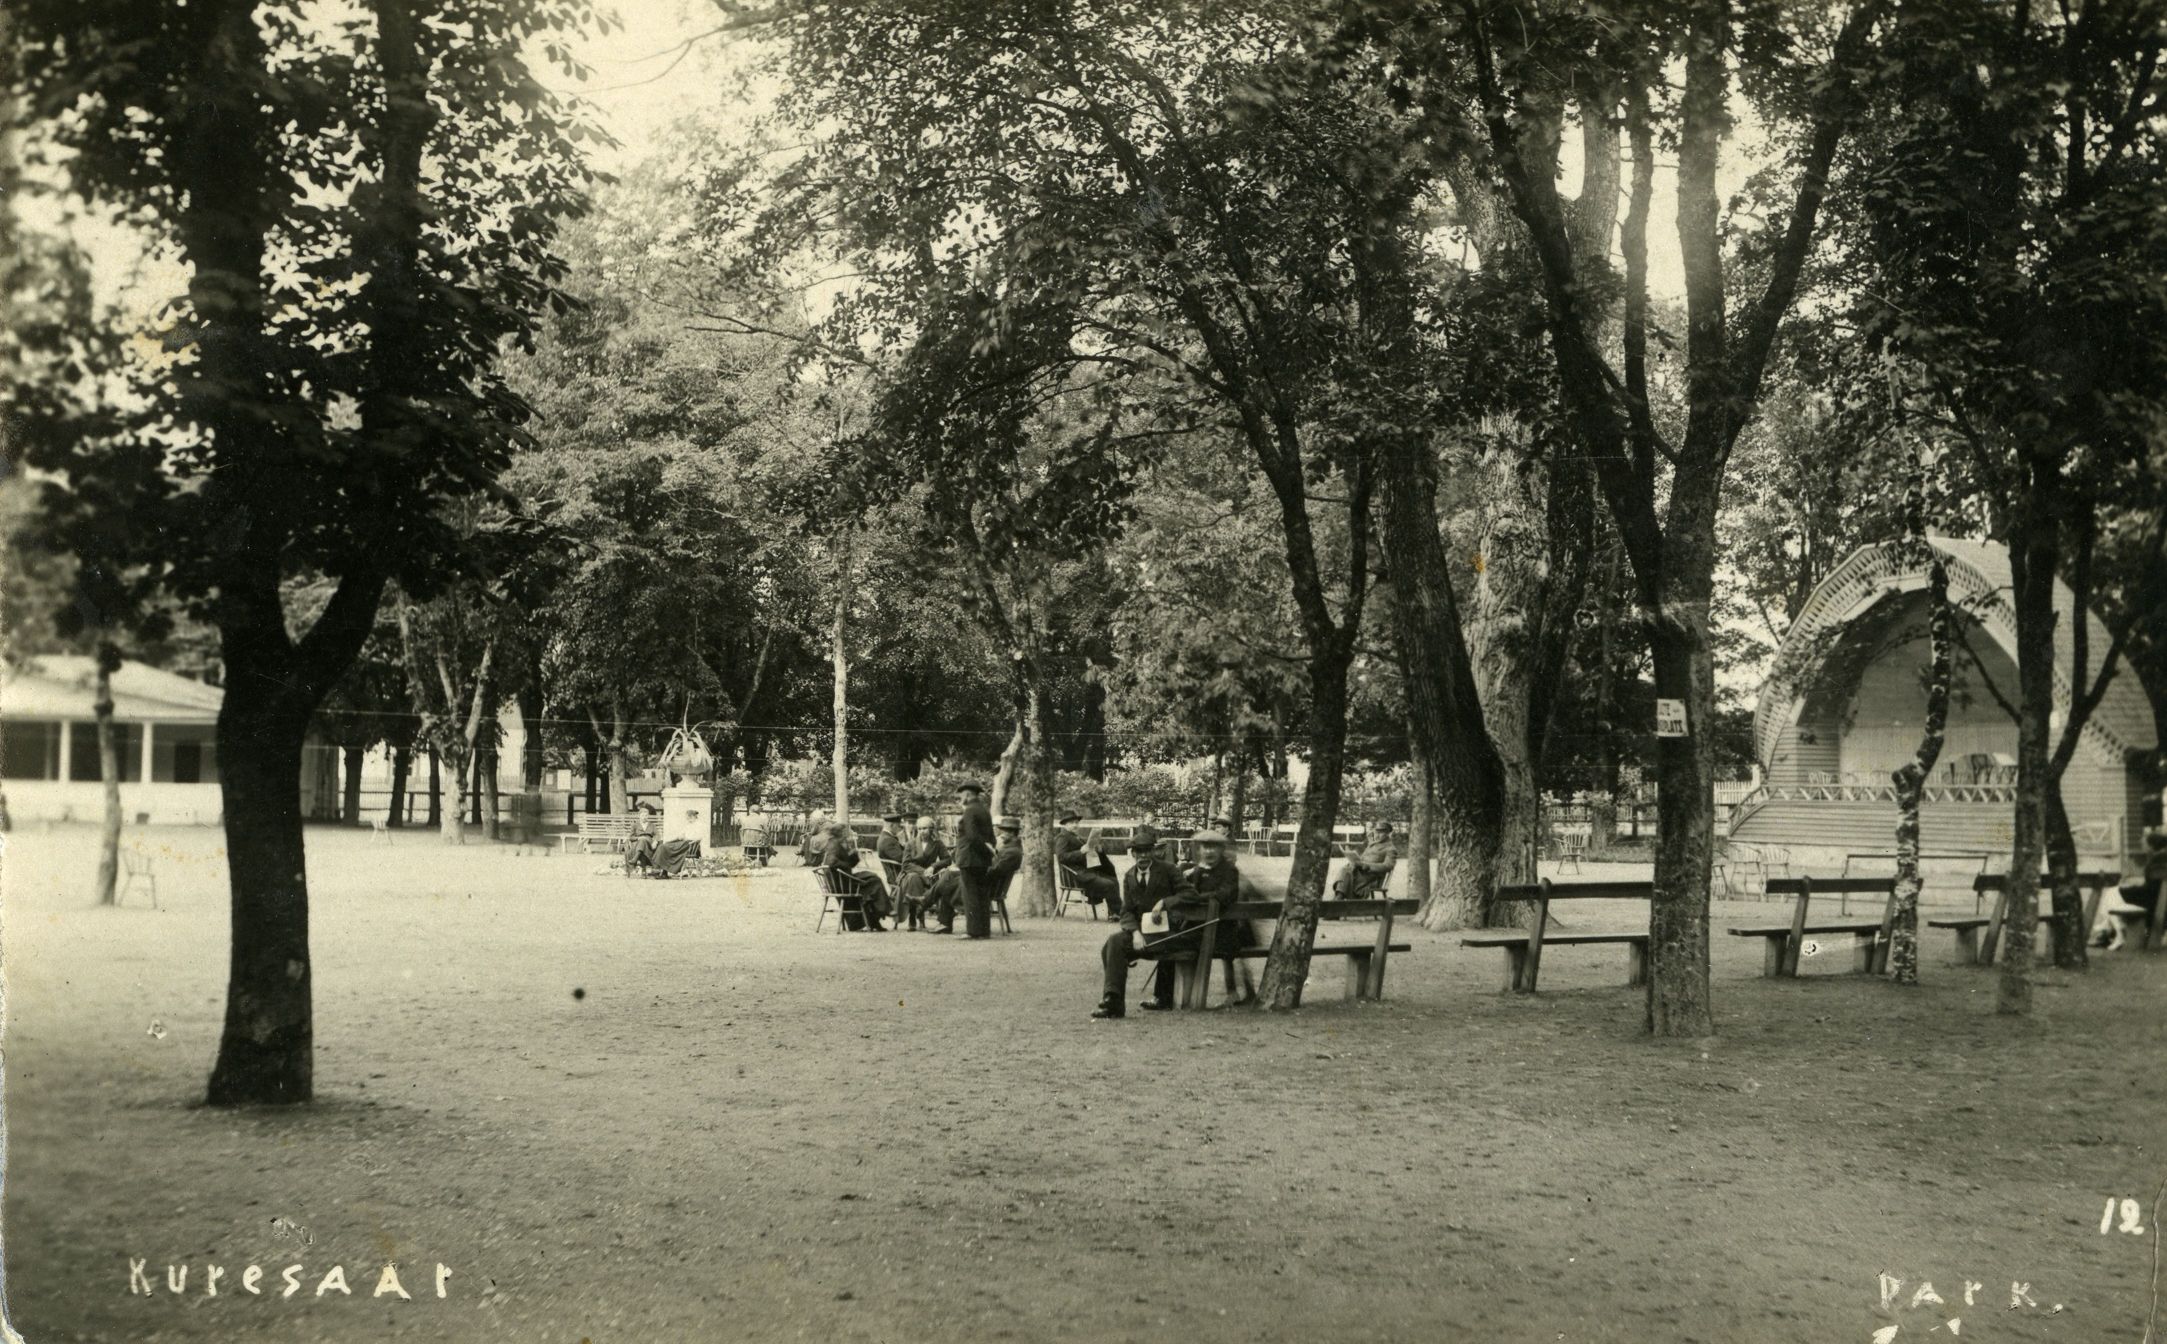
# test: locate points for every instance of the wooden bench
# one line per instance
(613, 830)
(1365, 961)
(1523, 947)
(1784, 942)
(1981, 952)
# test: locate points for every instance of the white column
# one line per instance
(146, 751)
(67, 749)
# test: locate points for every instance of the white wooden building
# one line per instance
(1844, 707)
(167, 730)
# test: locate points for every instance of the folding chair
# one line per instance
(998, 899)
(137, 867)
(379, 833)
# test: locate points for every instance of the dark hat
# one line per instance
(970, 786)
(1008, 824)
(891, 816)
(1145, 837)
(1209, 837)
(907, 816)
(1066, 817)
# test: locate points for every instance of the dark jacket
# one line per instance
(932, 855)
(1165, 883)
(890, 848)
(839, 852)
(974, 837)
(1007, 860)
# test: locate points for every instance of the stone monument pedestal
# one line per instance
(685, 810)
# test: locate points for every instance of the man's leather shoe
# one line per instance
(1109, 1009)
(1158, 1006)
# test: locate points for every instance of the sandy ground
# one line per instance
(652, 1112)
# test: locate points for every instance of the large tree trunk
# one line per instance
(108, 661)
(1422, 792)
(532, 760)
(402, 766)
(1911, 780)
(265, 1053)
(350, 803)
(1036, 880)
(1004, 776)
(2067, 932)
(451, 817)
(1287, 967)
(265, 1049)
(840, 657)
(620, 785)
(2034, 557)
(1678, 992)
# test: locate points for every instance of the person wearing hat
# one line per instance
(930, 882)
(1151, 883)
(1097, 881)
(1007, 856)
(1216, 878)
(839, 855)
(974, 856)
(1367, 873)
(892, 846)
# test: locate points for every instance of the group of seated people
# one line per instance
(1184, 893)
(649, 854)
(925, 879)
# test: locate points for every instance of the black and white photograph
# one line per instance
(997, 671)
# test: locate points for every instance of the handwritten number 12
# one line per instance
(2132, 1216)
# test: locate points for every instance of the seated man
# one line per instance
(930, 882)
(840, 856)
(1096, 880)
(1151, 884)
(1366, 874)
(1007, 855)
(1216, 879)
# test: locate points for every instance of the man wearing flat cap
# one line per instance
(974, 856)
(1216, 879)
(1007, 855)
(1151, 884)
(1096, 880)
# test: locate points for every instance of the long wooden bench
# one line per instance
(1365, 961)
(1523, 947)
(612, 830)
(1981, 951)
(1783, 943)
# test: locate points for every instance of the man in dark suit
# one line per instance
(974, 855)
(1097, 881)
(1152, 883)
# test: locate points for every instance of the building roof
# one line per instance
(62, 686)
(1981, 586)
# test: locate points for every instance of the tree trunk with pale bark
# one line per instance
(1911, 777)
(108, 662)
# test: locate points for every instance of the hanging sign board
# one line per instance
(1670, 718)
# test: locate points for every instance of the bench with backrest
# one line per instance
(1365, 962)
(612, 830)
(1784, 942)
(1982, 951)
(1523, 948)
